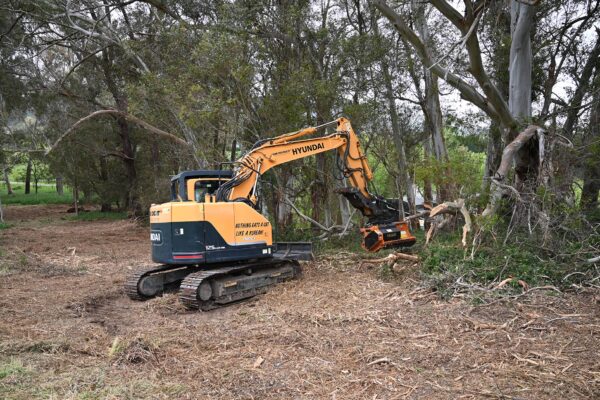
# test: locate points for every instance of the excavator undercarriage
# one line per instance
(221, 284)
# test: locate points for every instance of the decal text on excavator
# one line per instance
(307, 148)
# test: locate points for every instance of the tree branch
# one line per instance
(129, 117)
(467, 91)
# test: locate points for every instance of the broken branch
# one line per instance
(452, 207)
(498, 186)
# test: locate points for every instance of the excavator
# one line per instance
(212, 242)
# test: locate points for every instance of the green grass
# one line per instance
(12, 367)
(45, 195)
(97, 215)
(4, 225)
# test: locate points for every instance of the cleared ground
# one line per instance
(68, 331)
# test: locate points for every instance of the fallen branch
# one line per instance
(391, 258)
(451, 207)
(129, 117)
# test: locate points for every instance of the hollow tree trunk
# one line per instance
(28, 177)
(9, 189)
(519, 96)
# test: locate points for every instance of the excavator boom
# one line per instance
(269, 153)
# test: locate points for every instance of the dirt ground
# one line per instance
(340, 332)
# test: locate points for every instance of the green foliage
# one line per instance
(97, 215)
(4, 225)
(463, 170)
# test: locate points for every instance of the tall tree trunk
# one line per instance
(320, 187)
(405, 177)
(404, 174)
(519, 96)
(127, 147)
(9, 189)
(60, 188)
(285, 186)
(28, 177)
(432, 93)
(430, 103)
(104, 206)
(76, 197)
(427, 190)
(499, 22)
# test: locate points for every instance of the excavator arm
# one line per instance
(270, 153)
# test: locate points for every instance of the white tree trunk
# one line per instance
(519, 97)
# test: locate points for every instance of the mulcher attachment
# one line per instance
(378, 237)
(383, 229)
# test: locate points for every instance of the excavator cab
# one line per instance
(199, 186)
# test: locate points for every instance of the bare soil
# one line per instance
(67, 330)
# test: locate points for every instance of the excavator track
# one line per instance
(151, 281)
(210, 289)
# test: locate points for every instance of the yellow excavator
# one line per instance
(212, 242)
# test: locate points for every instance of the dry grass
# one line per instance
(340, 332)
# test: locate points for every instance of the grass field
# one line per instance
(45, 195)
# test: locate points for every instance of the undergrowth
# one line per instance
(449, 268)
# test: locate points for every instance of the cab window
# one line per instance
(202, 188)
